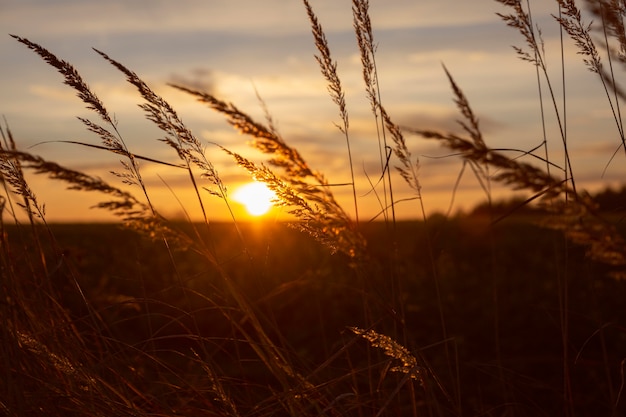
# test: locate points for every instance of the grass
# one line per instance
(510, 311)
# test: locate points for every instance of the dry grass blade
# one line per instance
(135, 156)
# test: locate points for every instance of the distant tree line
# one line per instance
(609, 200)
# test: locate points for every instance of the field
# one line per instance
(501, 297)
(513, 309)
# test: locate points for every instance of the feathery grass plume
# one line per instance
(409, 171)
(191, 151)
(580, 33)
(72, 78)
(571, 21)
(303, 182)
(178, 136)
(112, 142)
(264, 139)
(470, 125)
(297, 171)
(520, 19)
(11, 173)
(519, 175)
(13, 179)
(60, 363)
(328, 67)
(319, 223)
(53, 370)
(612, 14)
(604, 241)
(408, 362)
(365, 41)
(129, 209)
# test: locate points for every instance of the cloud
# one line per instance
(200, 79)
(232, 47)
(236, 16)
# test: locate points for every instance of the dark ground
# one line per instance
(519, 305)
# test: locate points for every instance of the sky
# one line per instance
(236, 49)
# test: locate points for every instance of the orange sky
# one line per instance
(232, 47)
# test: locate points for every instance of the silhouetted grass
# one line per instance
(514, 310)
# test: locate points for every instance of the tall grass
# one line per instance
(176, 347)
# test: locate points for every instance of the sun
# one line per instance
(256, 197)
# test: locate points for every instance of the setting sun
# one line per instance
(256, 197)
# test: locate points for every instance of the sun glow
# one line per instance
(256, 197)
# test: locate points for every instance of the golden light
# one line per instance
(256, 197)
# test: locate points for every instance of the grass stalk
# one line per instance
(348, 325)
